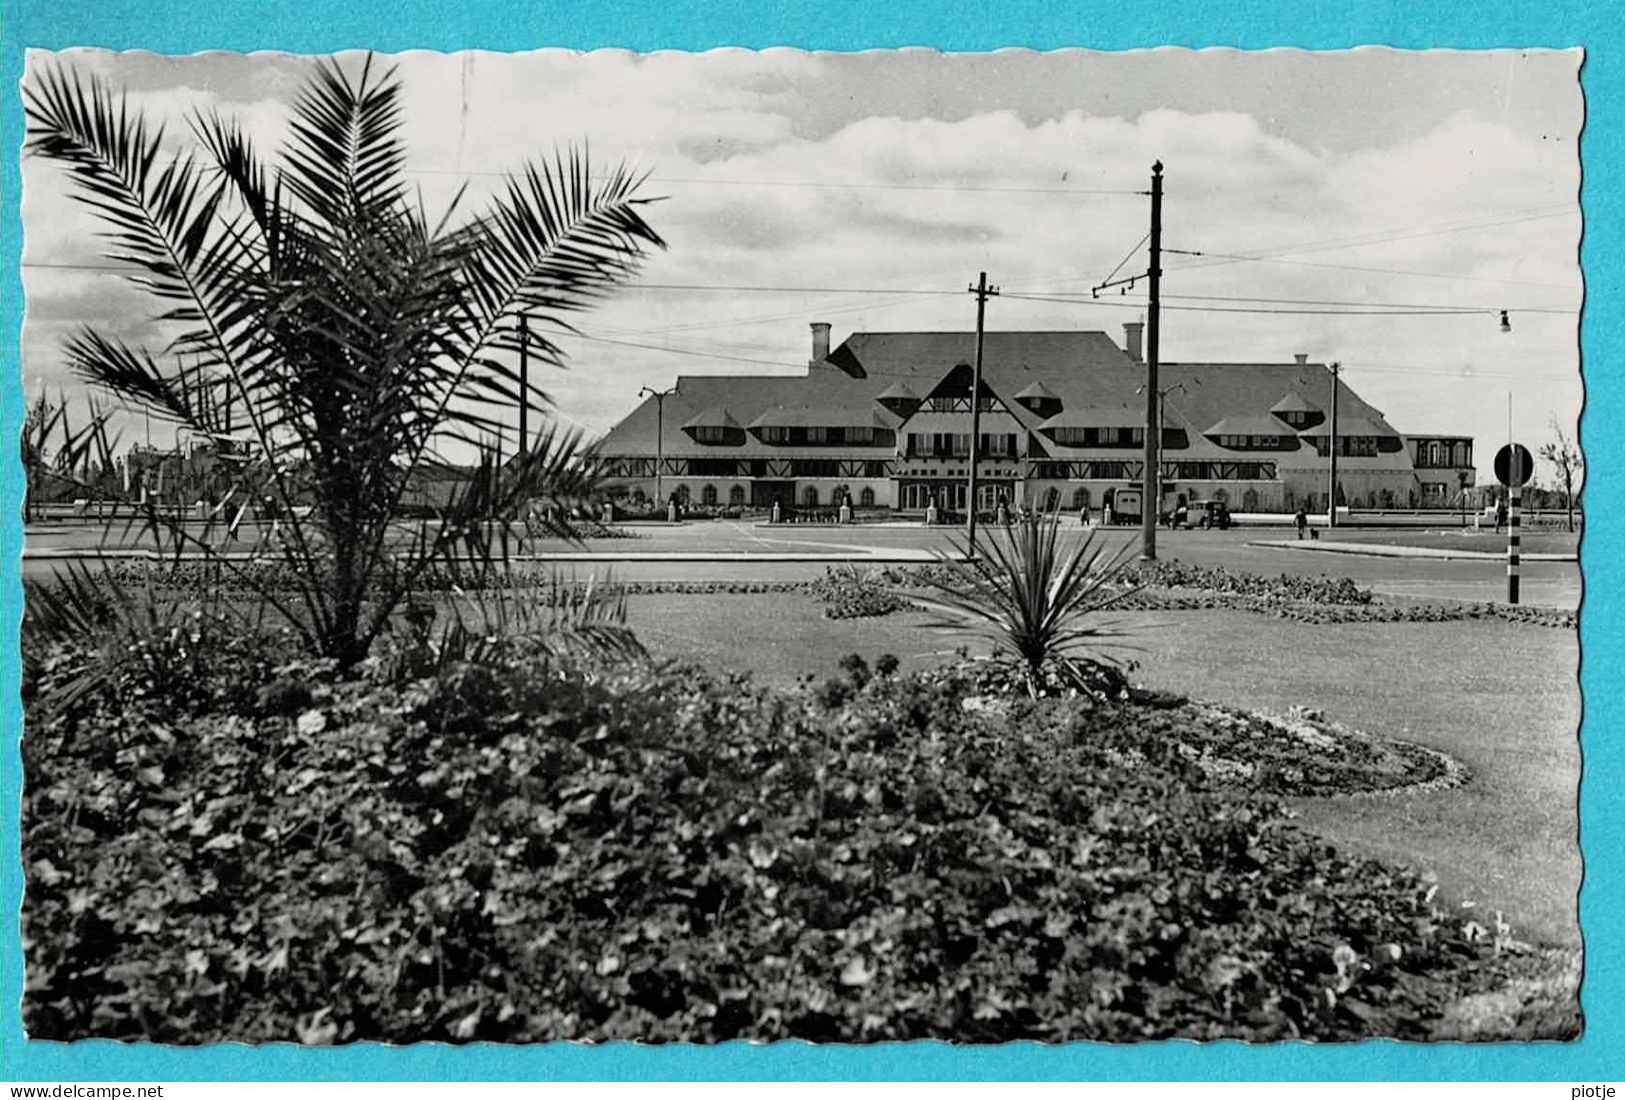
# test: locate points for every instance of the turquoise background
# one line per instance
(314, 27)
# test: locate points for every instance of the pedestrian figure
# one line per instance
(1300, 521)
(1500, 514)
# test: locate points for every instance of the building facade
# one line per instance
(884, 421)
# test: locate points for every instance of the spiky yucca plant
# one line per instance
(1036, 599)
(344, 340)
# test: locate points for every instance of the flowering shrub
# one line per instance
(533, 848)
(849, 593)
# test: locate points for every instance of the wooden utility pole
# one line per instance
(983, 292)
(1151, 505)
(1331, 446)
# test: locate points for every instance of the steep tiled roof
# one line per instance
(1098, 383)
(1348, 426)
(1213, 391)
(1098, 416)
(832, 416)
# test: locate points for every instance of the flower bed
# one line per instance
(1300, 753)
(531, 850)
(1300, 589)
(1170, 586)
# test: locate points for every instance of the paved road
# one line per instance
(752, 549)
(1553, 584)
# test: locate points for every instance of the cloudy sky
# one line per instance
(870, 189)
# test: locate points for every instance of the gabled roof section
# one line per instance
(712, 416)
(1349, 426)
(1295, 403)
(897, 391)
(1037, 391)
(1254, 424)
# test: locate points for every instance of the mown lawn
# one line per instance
(1502, 698)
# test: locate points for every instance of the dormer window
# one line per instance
(1258, 442)
(1039, 400)
(1297, 412)
(898, 399)
(715, 427)
(1098, 437)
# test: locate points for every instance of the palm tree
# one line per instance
(1035, 600)
(343, 339)
(40, 423)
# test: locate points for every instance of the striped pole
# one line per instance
(1514, 498)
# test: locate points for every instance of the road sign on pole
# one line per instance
(1511, 473)
(1513, 467)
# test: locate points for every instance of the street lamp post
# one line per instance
(660, 435)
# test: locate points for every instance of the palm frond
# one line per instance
(344, 159)
(161, 214)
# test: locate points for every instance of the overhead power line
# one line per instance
(1352, 304)
(1123, 301)
(680, 351)
(1438, 371)
(1407, 273)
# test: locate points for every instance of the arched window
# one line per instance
(638, 498)
(866, 497)
(736, 495)
(682, 494)
(1052, 499)
(1222, 496)
(1080, 499)
(1249, 500)
(809, 496)
(708, 496)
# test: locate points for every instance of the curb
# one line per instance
(896, 556)
(1377, 550)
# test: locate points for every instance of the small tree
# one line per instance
(347, 341)
(1036, 600)
(1565, 457)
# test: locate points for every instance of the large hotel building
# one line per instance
(884, 421)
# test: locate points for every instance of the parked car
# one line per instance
(1209, 514)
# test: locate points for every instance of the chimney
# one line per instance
(1131, 340)
(1301, 356)
(820, 348)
